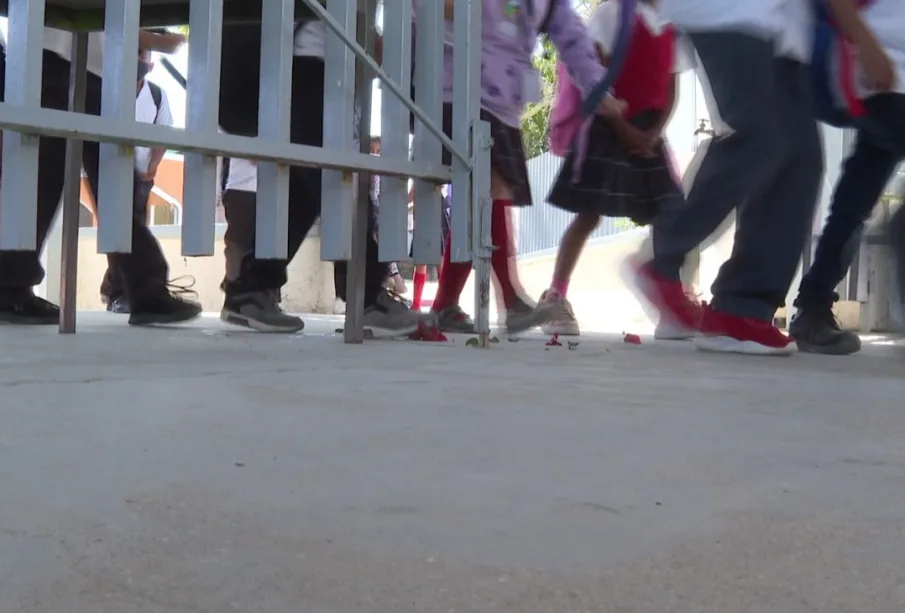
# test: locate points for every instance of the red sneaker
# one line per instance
(669, 298)
(725, 333)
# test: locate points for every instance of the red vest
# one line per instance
(648, 70)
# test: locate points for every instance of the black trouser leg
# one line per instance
(145, 270)
(239, 239)
(113, 286)
(20, 271)
(251, 274)
(340, 270)
(304, 195)
(376, 272)
(879, 148)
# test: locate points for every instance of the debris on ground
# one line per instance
(631, 339)
(427, 333)
(554, 340)
(573, 345)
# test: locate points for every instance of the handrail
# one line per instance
(173, 202)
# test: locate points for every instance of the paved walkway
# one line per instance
(206, 470)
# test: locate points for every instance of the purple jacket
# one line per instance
(508, 40)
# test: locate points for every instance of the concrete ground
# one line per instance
(207, 470)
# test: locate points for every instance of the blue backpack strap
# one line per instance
(617, 58)
(829, 107)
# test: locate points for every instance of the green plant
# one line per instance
(537, 115)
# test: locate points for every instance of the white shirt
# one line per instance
(787, 22)
(886, 19)
(146, 112)
(243, 175)
(309, 39)
(604, 26)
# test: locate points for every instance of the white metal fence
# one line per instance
(540, 227)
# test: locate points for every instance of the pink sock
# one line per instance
(560, 286)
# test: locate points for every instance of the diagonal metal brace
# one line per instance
(403, 97)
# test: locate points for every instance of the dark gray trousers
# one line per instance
(766, 162)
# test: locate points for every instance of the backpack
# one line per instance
(835, 96)
(240, 77)
(570, 115)
(157, 96)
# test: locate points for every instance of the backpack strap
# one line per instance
(157, 95)
(617, 57)
(545, 22)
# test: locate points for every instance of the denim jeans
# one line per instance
(879, 148)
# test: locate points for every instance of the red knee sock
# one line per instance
(453, 277)
(502, 257)
(418, 291)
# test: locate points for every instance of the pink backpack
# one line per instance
(566, 118)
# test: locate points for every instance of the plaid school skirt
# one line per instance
(507, 157)
(613, 183)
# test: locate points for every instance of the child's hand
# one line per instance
(634, 141)
(881, 75)
(652, 141)
(611, 107)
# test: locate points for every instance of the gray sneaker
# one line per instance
(521, 316)
(259, 311)
(454, 320)
(389, 317)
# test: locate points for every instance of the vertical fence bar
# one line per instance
(466, 107)
(116, 179)
(339, 102)
(19, 184)
(78, 77)
(275, 104)
(431, 32)
(394, 131)
(482, 244)
(200, 179)
(355, 279)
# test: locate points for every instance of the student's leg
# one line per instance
(570, 247)
(239, 210)
(20, 271)
(771, 230)
(454, 275)
(145, 269)
(738, 170)
(865, 174)
(251, 294)
(251, 285)
(896, 233)
(739, 161)
(113, 287)
(340, 270)
(418, 282)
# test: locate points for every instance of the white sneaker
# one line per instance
(668, 330)
(564, 323)
(339, 307)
